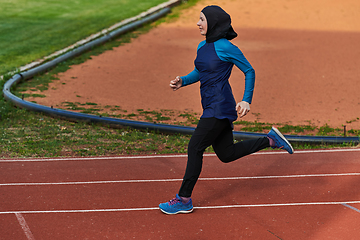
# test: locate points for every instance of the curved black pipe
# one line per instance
(116, 122)
(164, 128)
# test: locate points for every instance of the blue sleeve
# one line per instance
(228, 52)
(191, 78)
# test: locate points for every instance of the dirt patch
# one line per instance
(305, 54)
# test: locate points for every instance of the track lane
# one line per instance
(250, 221)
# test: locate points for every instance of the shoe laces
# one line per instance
(174, 201)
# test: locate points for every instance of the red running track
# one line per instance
(268, 195)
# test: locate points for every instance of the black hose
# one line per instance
(164, 128)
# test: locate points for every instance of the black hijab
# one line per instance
(218, 24)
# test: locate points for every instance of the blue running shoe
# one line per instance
(279, 140)
(175, 206)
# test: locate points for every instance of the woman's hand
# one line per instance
(243, 108)
(176, 83)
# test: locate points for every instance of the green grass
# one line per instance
(32, 29)
(46, 137)
(31, 134)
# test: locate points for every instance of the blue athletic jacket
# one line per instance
(213, 65)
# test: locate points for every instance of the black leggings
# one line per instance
(218, 133)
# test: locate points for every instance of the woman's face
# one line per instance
(202, 24)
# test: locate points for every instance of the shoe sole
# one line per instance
(283, 138)
(182, 211)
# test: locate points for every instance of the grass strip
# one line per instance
(30, 30)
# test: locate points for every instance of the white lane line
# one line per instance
(24, 226)
(178, 179)
(278, 205)
(91, 182)
(206, 207)
(95, 158)
(310, 151)
(351, 207)
(168, 156)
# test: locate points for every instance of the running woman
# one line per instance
(215, 59)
